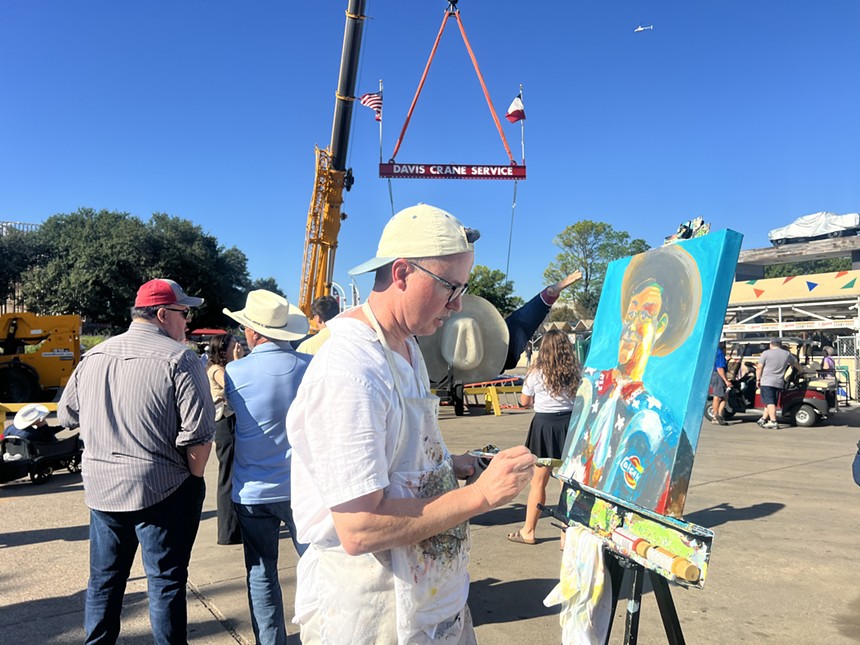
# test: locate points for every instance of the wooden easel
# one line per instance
(617, 564)
(581, 512)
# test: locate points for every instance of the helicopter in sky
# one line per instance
(643, 28)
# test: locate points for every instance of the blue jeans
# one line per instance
(261, 527)
(166, 533)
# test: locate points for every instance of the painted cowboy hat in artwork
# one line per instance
(474, 340)
(272, 316)
(676, 273)
(30, 415)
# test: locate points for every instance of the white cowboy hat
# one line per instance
(30, 415)
(272, 316)
(474, 340)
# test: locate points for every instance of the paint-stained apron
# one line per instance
(410, 594)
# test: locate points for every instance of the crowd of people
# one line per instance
(337, 440)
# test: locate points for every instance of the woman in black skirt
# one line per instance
(550, 386)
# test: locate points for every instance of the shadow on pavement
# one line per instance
(725, 513)
(61, 482)
(494, 601)
(65, 533)
(65, 615)
(848, 622)
(510, 514)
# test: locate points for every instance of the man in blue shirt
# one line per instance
(260, 388)
(719, 383)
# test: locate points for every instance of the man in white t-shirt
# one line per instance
(374, 487)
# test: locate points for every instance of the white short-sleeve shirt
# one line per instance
(343, 426)
(533, 385)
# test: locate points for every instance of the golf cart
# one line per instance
(807, 398)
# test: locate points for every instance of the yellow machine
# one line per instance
(324, 218)
(38, 356)
(332, 177)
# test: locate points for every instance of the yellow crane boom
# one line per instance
(332, 177)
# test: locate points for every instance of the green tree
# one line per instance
(589, 246)
(269, 284)
(19, 251)
(92, 263)
(183, 252)
(829, 265)
(491, 285)
(87, 262)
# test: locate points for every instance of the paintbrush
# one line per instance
(548, 462)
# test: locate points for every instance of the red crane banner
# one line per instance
(450, 171)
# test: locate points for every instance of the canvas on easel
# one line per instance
(636, 418)
(637, 415)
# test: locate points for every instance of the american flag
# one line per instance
(373, 100)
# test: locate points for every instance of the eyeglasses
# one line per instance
(184, 312)
(241, 329)
(456, 290)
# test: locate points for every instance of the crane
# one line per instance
(332, 177)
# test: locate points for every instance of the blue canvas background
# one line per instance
(679, 380)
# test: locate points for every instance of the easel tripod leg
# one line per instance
(668, 614)
(616, 576)
(634, 606)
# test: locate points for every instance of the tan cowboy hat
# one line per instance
(667, 266)
(272, 316)
(474, 340)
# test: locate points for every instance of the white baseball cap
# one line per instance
(420, 231)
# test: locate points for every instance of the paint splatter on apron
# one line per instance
(411, 594)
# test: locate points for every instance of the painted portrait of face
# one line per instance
(642, 325)
(661, 293)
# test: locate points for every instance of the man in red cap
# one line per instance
(141, 400)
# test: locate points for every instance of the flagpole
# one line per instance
(382, 107)
(511, 231)
(522, 130)
(514, 203)
(390, 191)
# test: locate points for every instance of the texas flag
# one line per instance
(516, 112)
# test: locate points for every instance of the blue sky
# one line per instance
(742, 112)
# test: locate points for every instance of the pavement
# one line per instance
(782, 504)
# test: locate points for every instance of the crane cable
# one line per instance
(453, 11)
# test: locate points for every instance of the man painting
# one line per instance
(142, 402)
(622, 439)
(374, 487)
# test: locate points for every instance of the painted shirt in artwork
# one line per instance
(622, 440)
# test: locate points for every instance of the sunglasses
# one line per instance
(184, 312)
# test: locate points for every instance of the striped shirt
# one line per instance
(139, 399)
